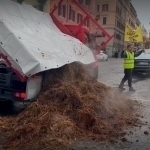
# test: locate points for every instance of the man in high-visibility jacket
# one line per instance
(129, 56)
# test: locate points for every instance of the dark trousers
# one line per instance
(127, 76)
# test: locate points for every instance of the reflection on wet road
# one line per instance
(111, 73)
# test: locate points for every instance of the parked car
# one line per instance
(102, 56)
(142, 63)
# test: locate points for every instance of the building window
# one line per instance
(71, 14)
(118, 11)
(105, 7)
(79, 18)
(80, 1)
(132, 24)
(62, 10)
(98, 7)
(87, 2)
(118, 37)
(104, 20)
(120, 25)
(87, 23)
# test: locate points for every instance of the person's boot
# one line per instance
(121, 88)
(131, 89)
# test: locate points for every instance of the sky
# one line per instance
(143, 10)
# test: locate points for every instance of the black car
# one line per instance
(142, 63)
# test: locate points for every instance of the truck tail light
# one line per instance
(20, 95)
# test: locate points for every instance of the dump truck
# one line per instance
(31, 44)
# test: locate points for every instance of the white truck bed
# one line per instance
(33, 43)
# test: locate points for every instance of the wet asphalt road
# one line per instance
(111, 73)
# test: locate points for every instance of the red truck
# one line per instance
(29, 49)
(83, 34)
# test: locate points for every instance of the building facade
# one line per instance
(146, 38)
(145, 32)
(113, 16)
(132, 16)
(138, 22)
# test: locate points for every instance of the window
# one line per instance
(87, 23)
(62, 10)
(79, 18)
(125, 8)
(118, 11)
(71, 14)
(118, 37)
(132, 24)
(87, 2)
(104, 20)
(105, 7)
(80, 1)
(98, 7)
(120, 25)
